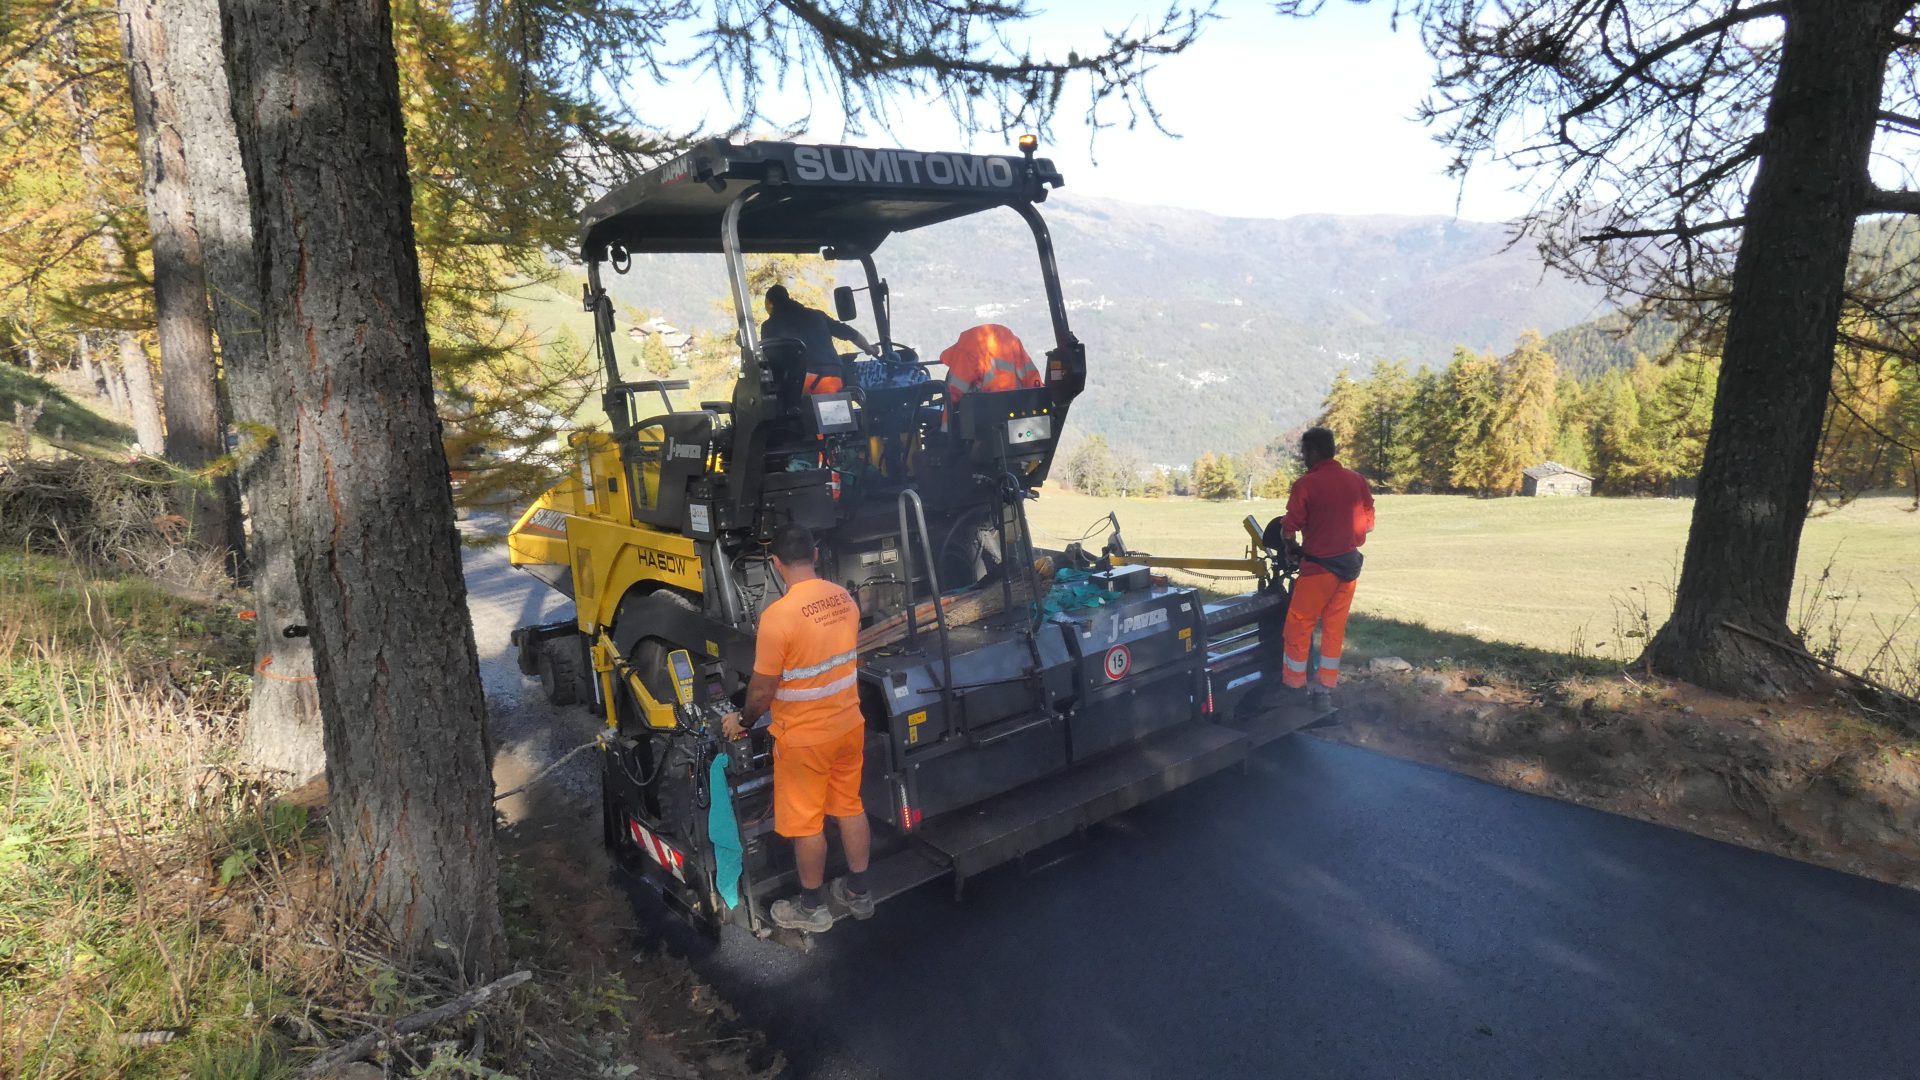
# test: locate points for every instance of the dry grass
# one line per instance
(117, 702)
(110, 514)
(164, 914)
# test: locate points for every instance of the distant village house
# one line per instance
(1553, 478)
(677, 341)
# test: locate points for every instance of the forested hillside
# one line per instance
(1189, 317)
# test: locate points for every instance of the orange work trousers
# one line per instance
(1322, 599)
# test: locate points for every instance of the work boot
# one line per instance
(794, 915)
(1320, 699)
(860, 904)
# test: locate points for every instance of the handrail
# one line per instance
(933, 582)
(737, 273)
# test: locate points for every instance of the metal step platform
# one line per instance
(1030, 817)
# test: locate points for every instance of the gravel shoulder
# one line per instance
(528, 733)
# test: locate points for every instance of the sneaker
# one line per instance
(792, 915)
(860, 904)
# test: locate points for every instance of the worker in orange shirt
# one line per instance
(989, 358)
(805, 666)
(1331, 508)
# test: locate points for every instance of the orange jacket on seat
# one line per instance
(988, 357)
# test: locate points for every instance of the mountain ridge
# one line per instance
(1203, 332)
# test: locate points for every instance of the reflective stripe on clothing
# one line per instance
(822, 667)
(815, 693)
(1330, 662)
(1296, 665)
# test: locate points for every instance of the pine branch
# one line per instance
(1896, 201)
(1679, 232)
(1893, 119)
(1645, 62)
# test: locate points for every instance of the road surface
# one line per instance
(1330, 913)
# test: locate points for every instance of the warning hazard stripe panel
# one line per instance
(659, 850)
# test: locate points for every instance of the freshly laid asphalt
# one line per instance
(1332, 913)
(1337, 913)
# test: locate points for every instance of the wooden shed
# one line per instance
(1553, 478)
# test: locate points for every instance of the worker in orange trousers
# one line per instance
(1331, 508)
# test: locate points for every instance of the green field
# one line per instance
(1564, 575)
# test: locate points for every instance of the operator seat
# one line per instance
(785, 361)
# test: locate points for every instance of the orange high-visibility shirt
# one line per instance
(1331, 507)
(990, 358)
(809, 639)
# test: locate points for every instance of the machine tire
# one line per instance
(559, 672)
(527, 650)
(650, 659)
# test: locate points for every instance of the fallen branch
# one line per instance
(1796, 651)
(407, 1025)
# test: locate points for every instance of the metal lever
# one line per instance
(933, 582)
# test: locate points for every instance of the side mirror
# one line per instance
(843, 305)
(681, 666)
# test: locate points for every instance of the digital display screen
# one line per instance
(834, 413)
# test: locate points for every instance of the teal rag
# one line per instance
(1074, 590)
(724, 829)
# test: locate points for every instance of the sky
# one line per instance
(1275, 117)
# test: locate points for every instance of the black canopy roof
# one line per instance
(812, 196)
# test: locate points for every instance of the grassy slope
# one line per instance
(85, 429)
(1553, 574)
(113, 697)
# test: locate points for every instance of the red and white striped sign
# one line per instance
(662, 852)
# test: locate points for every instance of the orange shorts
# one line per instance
(811, 782)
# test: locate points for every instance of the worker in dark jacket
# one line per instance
(789, 318)
(1331, 508)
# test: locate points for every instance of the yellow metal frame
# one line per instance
(1255, 562)
(585, 523)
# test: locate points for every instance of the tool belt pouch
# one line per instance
(1345, 567)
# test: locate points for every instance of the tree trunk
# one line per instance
(283, 718)
(1757, 476)
(116, 387)
(142, 401)
(90, 371)
(317, 103)
(196, 430)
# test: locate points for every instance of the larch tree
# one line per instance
(196, 425)
(283, 712)
(1711, 158)
(1523, 433)
(316, 100)
(1473, 385)
(1344, 412)
(69, 179)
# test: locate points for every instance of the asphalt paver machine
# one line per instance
(1012, 694)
